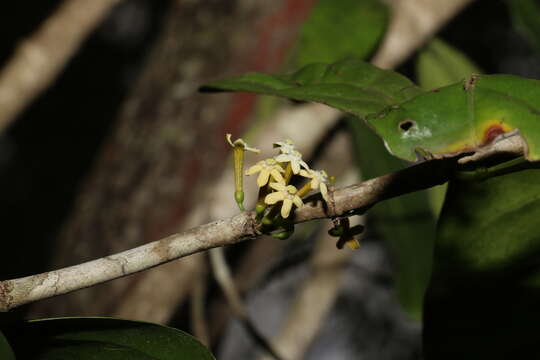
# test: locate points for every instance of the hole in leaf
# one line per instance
(406, 125)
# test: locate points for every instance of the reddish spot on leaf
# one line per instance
(492, 132)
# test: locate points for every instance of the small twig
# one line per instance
(313, 299)
(238, 228)
(198, 313)
(38, 60)
(224, 277)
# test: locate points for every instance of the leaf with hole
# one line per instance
(463, 117)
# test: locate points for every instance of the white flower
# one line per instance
(287, 194)
(267, 168)
(241, 143)
(319, 179)
(295, 159)
(285, 147)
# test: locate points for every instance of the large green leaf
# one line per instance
(6, 353)
(406, 222)
(336, 29)
(438, 64)
(483, 300)
(102, 338)
(350, 85)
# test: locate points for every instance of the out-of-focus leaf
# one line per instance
(351, 85)
(6, 353)
(439, 64)
(102, 338)
(526, 18)
(483, 298)
(405, 222)
(336, 29)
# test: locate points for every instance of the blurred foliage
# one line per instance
(483, 300)
(6, 353)
(338, 29)
(526, 18)
(439, 64)
(102, 338)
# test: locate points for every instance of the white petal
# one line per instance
(228, 137)
(324, 192)
(298, 202)
(304, 173)
(286, 208)
(277, 176)
(295, 167)
(252, 149)
(283, 158)
(254, 169)
(263, 177)
(278, 186)
(273, 198)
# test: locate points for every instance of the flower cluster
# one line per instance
(275, 175)
(277, 186)
(277, 194)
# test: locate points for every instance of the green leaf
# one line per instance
(336, 29)
(102, 338)
(406, 222)
(483, 299)
(6, 353)
(526, 18)
(351, 85)
(463, 117)
(439, 64)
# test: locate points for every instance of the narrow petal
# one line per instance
(263, 177)
(228, 137)
(304, 173)
(314, 183)
(286, 208)
(254, 169)
(277, 176)
(303, 163)
(298, 202)
(252, 149)
(324, 192)
(295, 167)
(273, 198)
(278, 186)
(283, 158)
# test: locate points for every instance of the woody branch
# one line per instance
(243, 226)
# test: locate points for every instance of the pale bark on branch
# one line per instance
(38, 59)
(238, 228)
